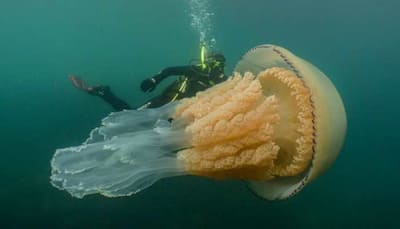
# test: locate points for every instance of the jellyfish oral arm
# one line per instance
(128, 153)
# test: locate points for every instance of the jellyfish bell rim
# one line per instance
(329, 117)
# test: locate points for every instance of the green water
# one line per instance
(121, 42)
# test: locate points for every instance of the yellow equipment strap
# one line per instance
(203, 55)
(181, 89)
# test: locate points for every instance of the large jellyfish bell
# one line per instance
(277, 123)
(328, 117)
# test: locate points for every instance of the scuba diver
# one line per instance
(191, 79)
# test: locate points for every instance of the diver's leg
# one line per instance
(103, 92)
(154, 102)
(168, 95)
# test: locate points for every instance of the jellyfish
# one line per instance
(277, 123)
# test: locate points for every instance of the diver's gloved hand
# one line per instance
(148, 85)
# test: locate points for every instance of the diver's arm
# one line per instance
(151, 83)
(174, 71)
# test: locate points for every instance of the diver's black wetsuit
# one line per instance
(192, 79)
(105, 93)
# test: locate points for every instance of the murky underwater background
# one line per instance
(119, 43)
